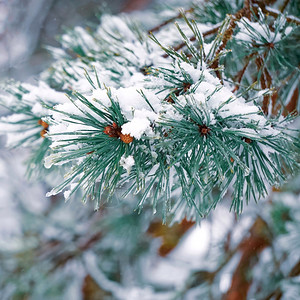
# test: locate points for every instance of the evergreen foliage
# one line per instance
(175, 125)
(160, 125)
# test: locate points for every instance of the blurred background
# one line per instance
(27, 26)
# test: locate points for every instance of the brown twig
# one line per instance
(269, 84)
(250, 248)
(240, 76)
(228, 34)
(241, 73)
(284, 5)
(132, 5)
(193, 38)
(263, 82)
(179, 16)
(291, 107)
(247, 6)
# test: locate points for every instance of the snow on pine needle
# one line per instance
(157, 122)
(182, 132)
(26, 126)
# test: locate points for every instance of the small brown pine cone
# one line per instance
(42, 123)
(43, 132)
(126, 138)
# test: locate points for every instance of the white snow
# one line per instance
(127, 162)
(136, 128)
(44, 93)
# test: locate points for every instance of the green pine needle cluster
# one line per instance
(176, 119)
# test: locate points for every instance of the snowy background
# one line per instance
(26, 26)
